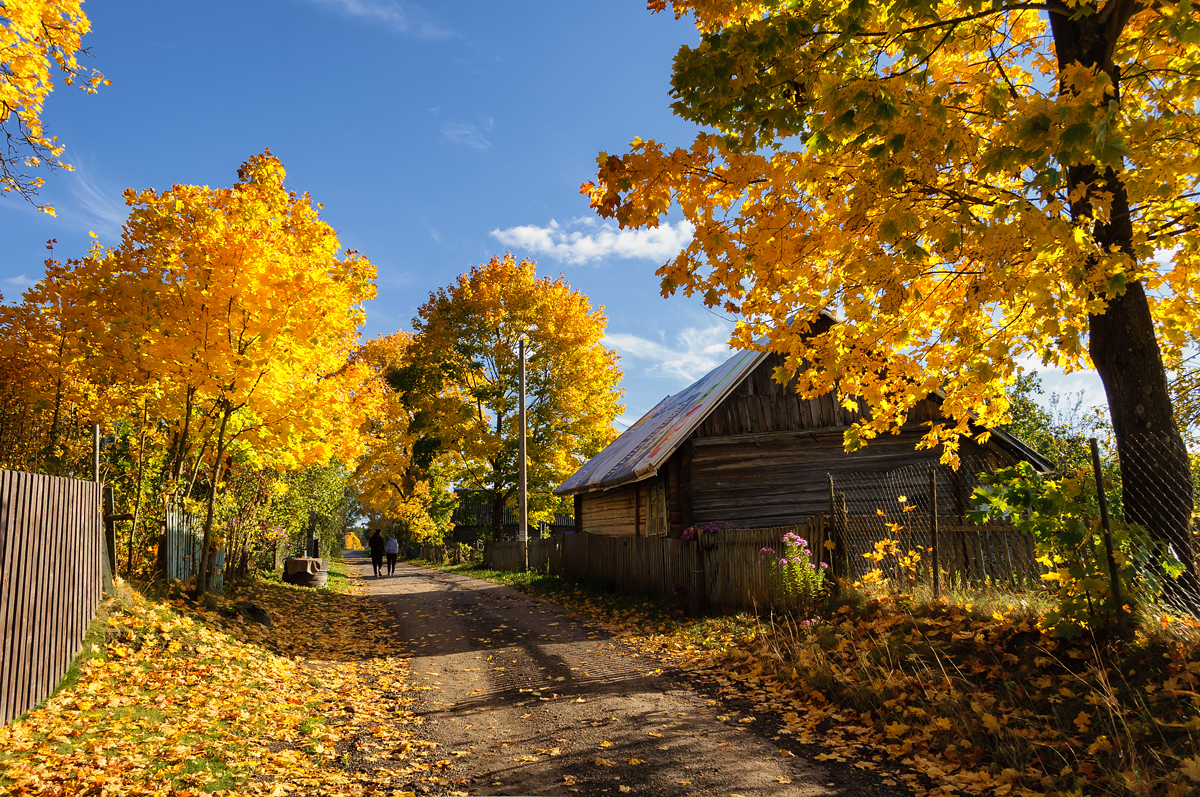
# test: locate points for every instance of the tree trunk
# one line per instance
(202, 577)
(1155, 469)
(497, 513)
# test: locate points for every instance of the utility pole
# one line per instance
(522, 496)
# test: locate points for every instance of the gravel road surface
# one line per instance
(525, 699)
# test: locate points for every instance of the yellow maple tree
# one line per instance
(463, 378)
(229, 317)
(966, 185)
(36, 36)
(393, 476)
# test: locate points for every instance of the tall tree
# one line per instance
(36, 36)
(964, 184)
(398, 477)
(230, 315)
(462, 379)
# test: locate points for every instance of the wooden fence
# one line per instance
(719, 573)
(727, 572)
(51, 578)
(183, 537)
(966, 553)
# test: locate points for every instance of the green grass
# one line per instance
(338, 580)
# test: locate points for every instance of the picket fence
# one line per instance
(51, 579)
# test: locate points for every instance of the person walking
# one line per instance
(391, 548)
(377, 544)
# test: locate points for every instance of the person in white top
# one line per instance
(391, 548)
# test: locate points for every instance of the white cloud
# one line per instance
(468, 135)
(696, 351)
(585, 239)
(99, 210)
(19, 285)
(401, 17)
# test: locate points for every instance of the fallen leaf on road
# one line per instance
(602, 762)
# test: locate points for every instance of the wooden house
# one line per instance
(739, 447)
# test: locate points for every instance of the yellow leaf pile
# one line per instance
(195, 701)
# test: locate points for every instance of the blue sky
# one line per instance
(436, 135)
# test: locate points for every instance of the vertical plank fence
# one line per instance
(51, 578)
(720, 573)
(181, 541)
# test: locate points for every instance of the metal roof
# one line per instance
(646, 446)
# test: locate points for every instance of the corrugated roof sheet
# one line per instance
(646, 446)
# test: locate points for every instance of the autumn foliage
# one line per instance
(965, 185)
(36, 37)
(219, 335)
(462, 379)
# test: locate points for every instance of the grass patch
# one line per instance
(338, 580)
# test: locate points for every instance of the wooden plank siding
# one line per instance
(783, 480)
(51, 537)
(616, 512)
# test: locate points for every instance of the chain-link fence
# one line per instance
(1137, 535)
(1151, 486)
(912, 523)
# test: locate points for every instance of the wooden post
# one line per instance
(834, 553)
(110, 531)
(933, 534)
(96, 452)
(1114, 581)
(843, 542)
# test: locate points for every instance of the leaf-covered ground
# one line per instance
(964, 701)
(173, 698)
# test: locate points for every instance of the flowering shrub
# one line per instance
(796, 579)
(694, 532)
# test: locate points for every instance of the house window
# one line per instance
(658, 508)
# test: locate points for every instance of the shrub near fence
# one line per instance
(51, 578)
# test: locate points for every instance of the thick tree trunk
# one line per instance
(497, 513)
(1155, 469)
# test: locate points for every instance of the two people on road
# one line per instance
(379, 547)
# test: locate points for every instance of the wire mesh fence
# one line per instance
(1133, 540)
(912, 523)
(1151, 491)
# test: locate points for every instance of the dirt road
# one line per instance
(526, 700)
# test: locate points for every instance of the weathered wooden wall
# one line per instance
(51, 577)
(782, 479)
(619, 511)
(762, 458)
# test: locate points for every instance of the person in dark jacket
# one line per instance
(376, 543)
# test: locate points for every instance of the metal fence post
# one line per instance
(1114, 582)
(933, 533)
